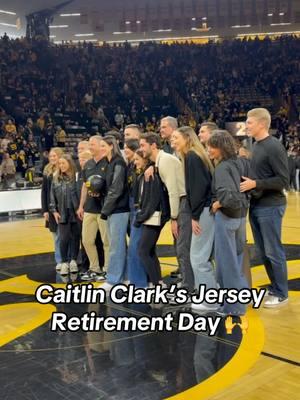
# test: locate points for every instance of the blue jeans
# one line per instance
(117, 228)
(57, 252)
(266, 228)
(230, 239)
(201, 251)
(136, 273)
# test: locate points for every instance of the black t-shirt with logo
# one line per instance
(93, 205)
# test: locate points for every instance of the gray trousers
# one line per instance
(183, 244)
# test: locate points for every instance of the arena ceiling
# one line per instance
(113, 20)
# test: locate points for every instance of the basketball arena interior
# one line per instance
(149, 199)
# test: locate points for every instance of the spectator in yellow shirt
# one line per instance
(10, 127)
(61, 137)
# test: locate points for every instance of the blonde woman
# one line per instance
(50, 169)
(198, 171)
(64, 202)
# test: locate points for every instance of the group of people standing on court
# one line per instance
(198, 183)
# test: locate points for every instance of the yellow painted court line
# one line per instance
(12, 328)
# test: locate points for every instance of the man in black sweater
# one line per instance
(270, 167)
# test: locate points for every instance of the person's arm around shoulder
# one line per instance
(168, 165)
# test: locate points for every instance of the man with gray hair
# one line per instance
(167, 126)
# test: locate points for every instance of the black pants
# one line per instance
(147, 252)
(69, 241)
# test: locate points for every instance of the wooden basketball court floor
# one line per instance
(262, 364)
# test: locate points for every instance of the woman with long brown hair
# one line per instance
(198, 171)
(64, 202)
(49, 170)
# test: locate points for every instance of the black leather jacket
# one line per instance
(62, 191)
(117, 196)
(152, 196)
(45, 197)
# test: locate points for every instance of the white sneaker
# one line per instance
(64, 270)
(205, 307)
(163, 284)
(73, 267)
(58, 267)
(275, 301)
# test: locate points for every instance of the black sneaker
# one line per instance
(175, 274)
(98, 277)
(86, 276)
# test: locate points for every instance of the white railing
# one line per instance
(20, 200)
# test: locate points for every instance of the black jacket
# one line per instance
(79, 182)
(197, 183)
(152, 196)
(45, 197)
(60, 190)
(117, 197)
(226, 186)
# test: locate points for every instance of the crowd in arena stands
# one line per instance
(124, 84)
(46, 89)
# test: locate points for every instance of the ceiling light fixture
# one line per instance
(281, 14)
(87, 40)
(138, 22)
(58, 26)
(204, 18)
(193, 19)
(162, 30)
(84, 34)
(70, 15)
(122, 33)
(7, 12)
(281, 23)
(270, 15)
(240, 26)
(10, 25)
(127, 22)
